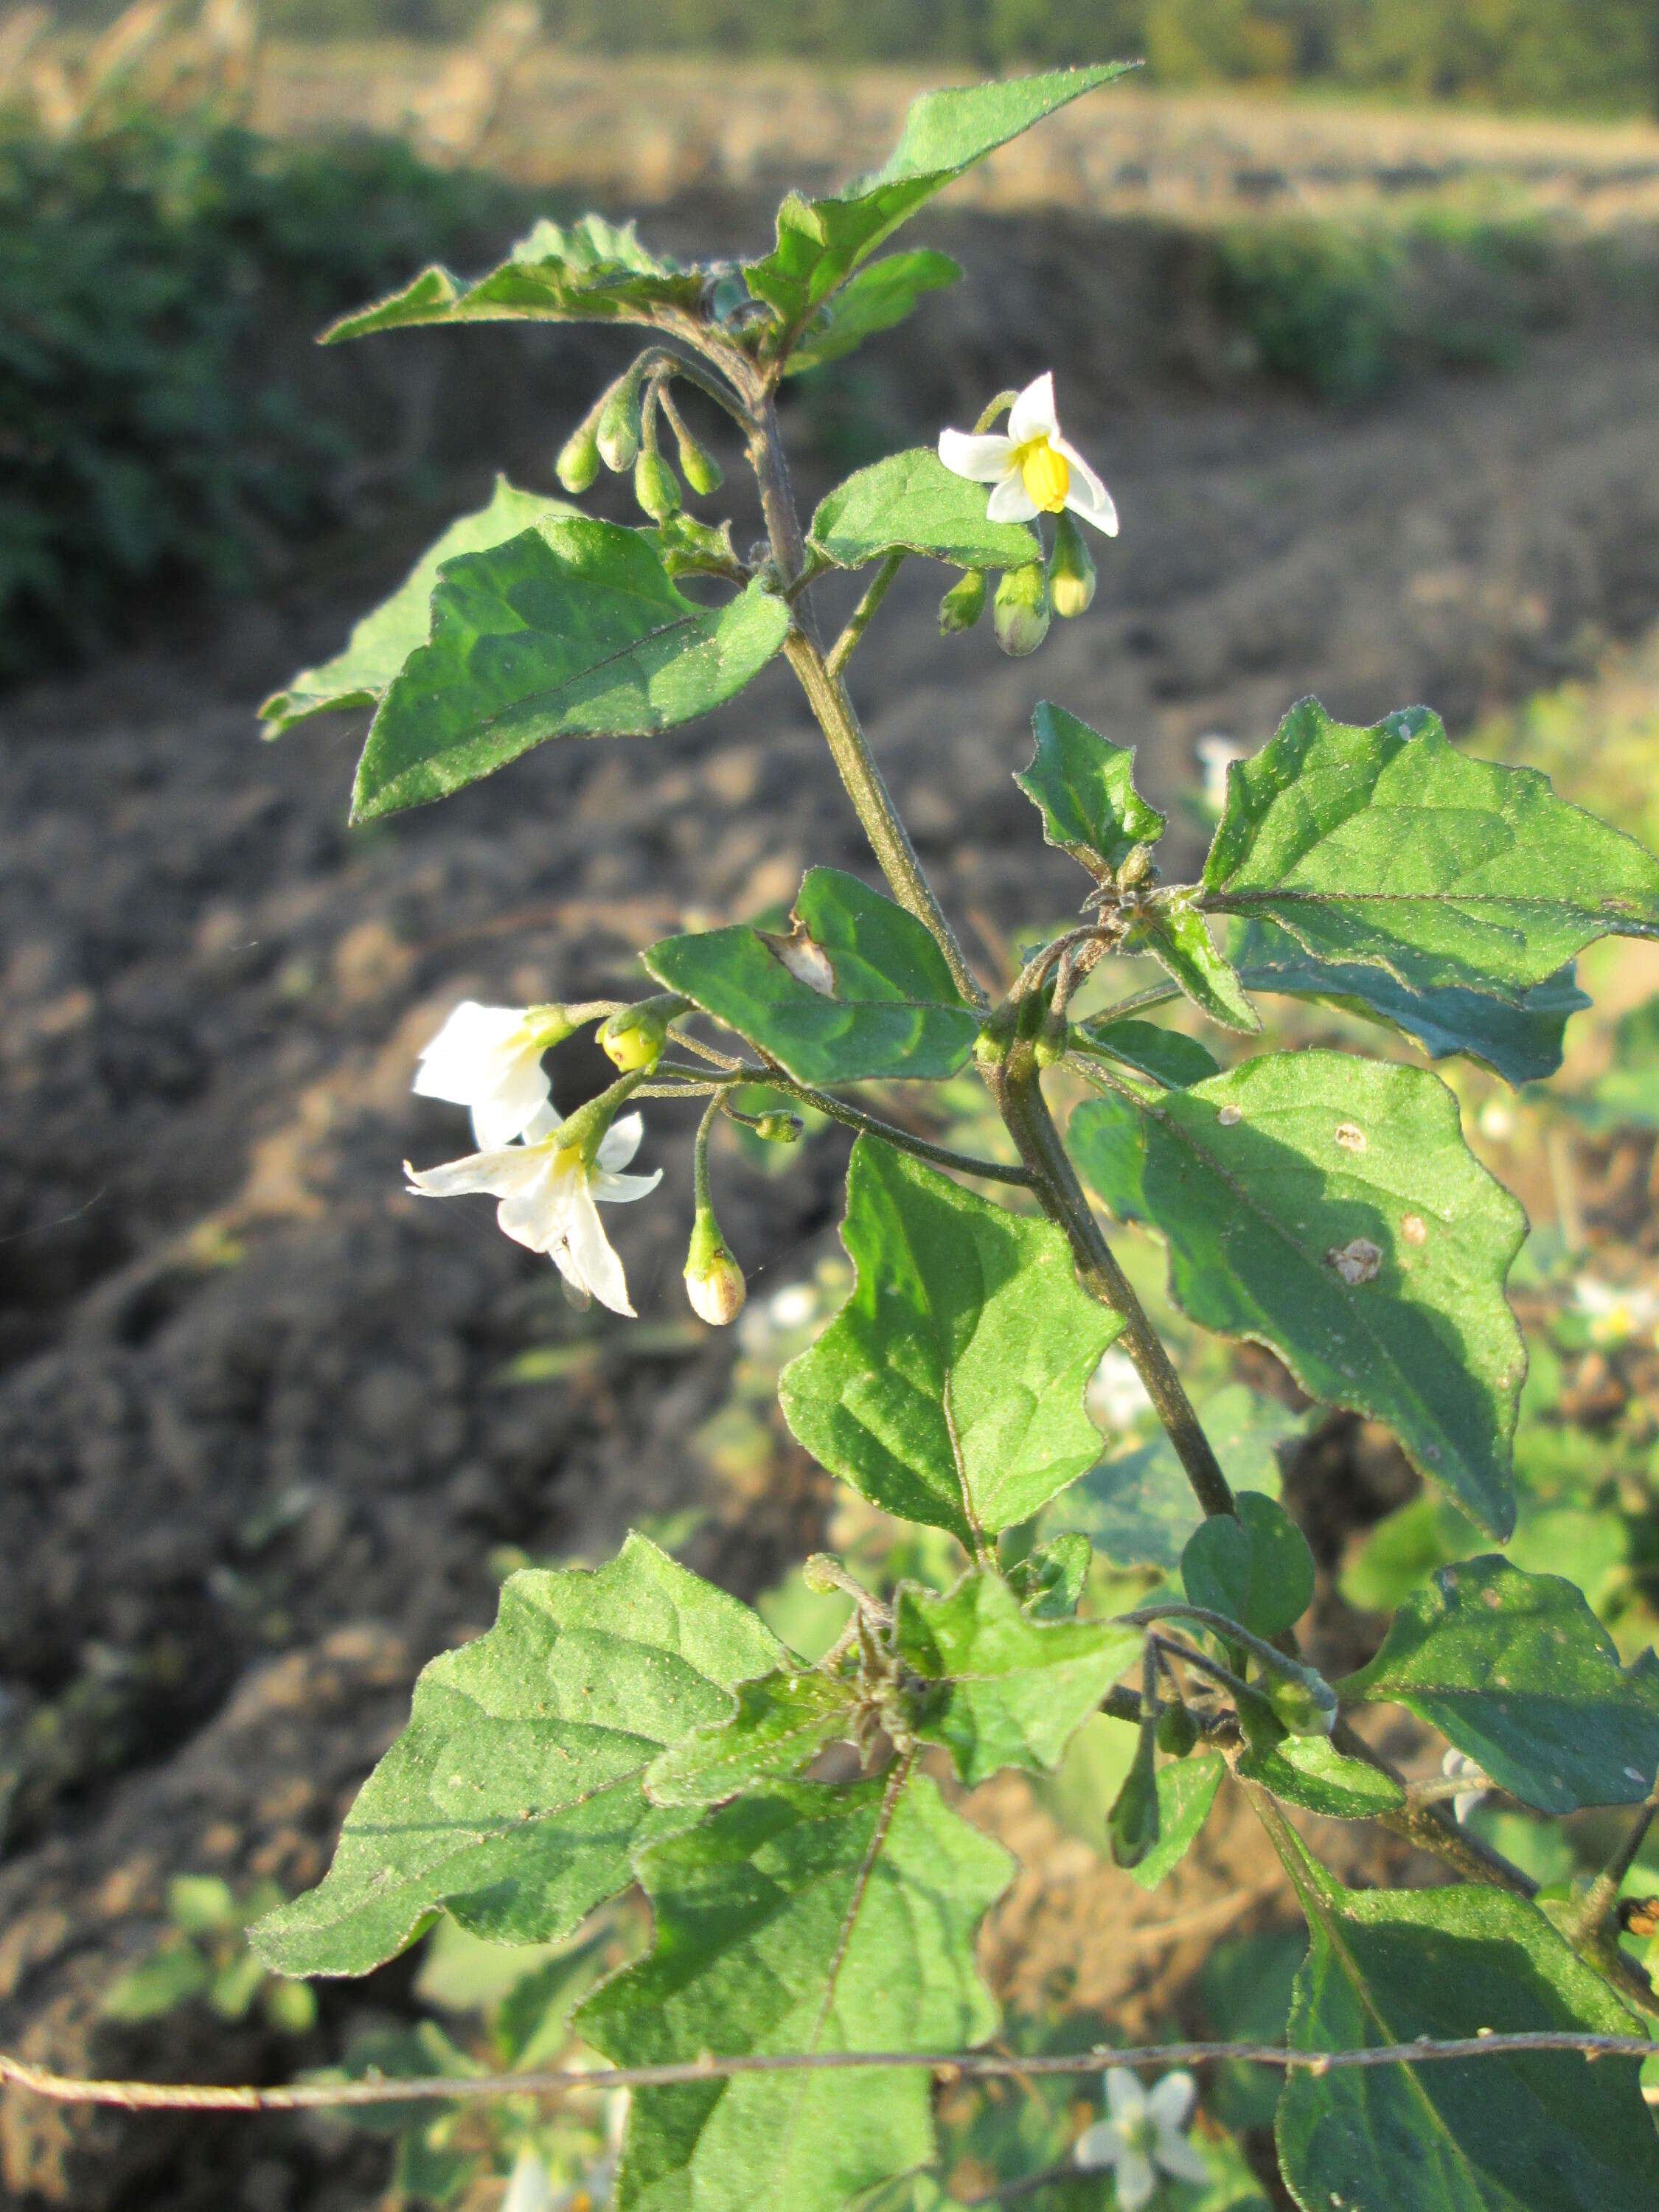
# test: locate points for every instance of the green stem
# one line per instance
(860, 620)
(854, 1117)
(1591, 1917)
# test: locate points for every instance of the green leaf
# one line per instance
(157, 1985)
(949, 1389)
(1186, 1790)
(1498, 2134)
(592, 271)
(1083, 787)
(1387, 845)
(1177, 936)
(1522, 1040)
(383, 641)
(821, 242)
(1049, 1581)
(1257, 1569)
(781, 1724)
(1517, 1672)
(882, 293)
(569, 629)
(1327, 1206)
(1172, 1060)
(859, 990)
(911, 503)
(1012, 1690)
(1309, 1770)
(799, 1919)
(1138, 1507)
(514, 1799)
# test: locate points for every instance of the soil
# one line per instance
(261, 1459)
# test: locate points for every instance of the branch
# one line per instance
(949, 2065)
(860, 620)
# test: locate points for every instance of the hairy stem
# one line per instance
(860, 620)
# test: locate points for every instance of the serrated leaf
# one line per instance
(1328, 1207)
(911, 503)
(1083, 786)
(1011, 1691)
(1503, 2133)
(820, 242)
(569, 629)
(1517, 1672)
(781, 1724)
(1388, 847)
(591, 271)
(1186, 1790)
(1309, 1770)
(383, 641)
(1170, 1058)
(881, 293)
(1255, 1568)
(859, 991)
(799, 1919)
(514, 1800)
(1178, 938)
(949, 1389)
(1522, 1040)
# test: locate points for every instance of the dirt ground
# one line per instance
(260, 1461)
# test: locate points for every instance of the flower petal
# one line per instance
(534, 1214)
(541, 1123)
(1099, 2147)
(1125, 2098)
(1032, 415)
(600, 1270)
(1135, 2181)
(460, 1057)
(1183, 2160)
(497, 1172)
(620, 1142)
(1087, 495)
(622, 1190)
(1170, 2104)
(514, 1103)
(982, 459)
(1011, 502)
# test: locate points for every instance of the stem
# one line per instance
(854, 1117)
(859, 621)
(1591, 1916)
(1016, 1088)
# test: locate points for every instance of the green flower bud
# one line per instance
(617, 427)
(1132, 1825)
(964, 604)
(778, 1129)
(579, 459)
(698, 465)
(713, 1280)
(1070, 569)
(1021, 609)
(1303, 1703)
(655, 486)
(1177, 1731)
(821, 1573)
(634, 1038)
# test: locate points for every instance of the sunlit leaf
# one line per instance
(1083, 787)
(1254, 1567)
(781, 1722)
(911, 502)
(881, 293)
(1178, 938)
(1170, 1058)
(1309, 1770)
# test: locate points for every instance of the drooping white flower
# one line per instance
(1615, 1313)
(1144, 2136)
(548, 1192)
(1115, 1397)
(1455, 1765)
(489, 1058)
(1035, 469)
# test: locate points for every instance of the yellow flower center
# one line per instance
(1046, 476)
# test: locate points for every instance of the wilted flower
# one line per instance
(547, 1192)
(1146, 2136)
(489, 1058)
(1035, 469)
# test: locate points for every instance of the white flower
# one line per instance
(1035, 469)
(547, 1193)
(530, 2188)
(1455, 1765)
(1145, 2134)
(1217, 752)
(489, 1058)
(1115, 1397)
(1615, 1314)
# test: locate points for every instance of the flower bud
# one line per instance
(779, 1129)
(634, 1038)
(1303, 1702)
(1070, 569)
(1177, 1731)
(698, 465)
(821, 1573)
(579, 459)
(617, 427)
(713, 1280)
(1132, 1825)
(655, 486)
(964, 604)
(1021, 609)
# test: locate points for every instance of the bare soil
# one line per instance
(260, 1459)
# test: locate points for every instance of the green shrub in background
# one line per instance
(145, 440)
